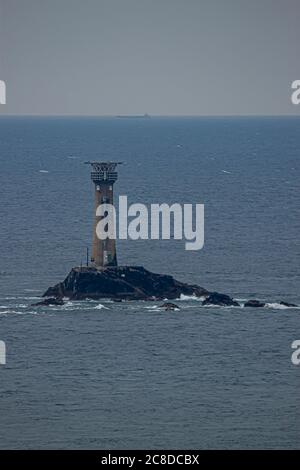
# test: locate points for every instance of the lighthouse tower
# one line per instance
(103, 175)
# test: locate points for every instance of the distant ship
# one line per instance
(132, 116)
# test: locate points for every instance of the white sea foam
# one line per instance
(191, 297)
(160, 308)
(275, 305)
(100, 307)
(29, 298)
(9, 312)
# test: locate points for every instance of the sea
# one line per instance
(104, 375)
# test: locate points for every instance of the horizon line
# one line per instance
(142, 115)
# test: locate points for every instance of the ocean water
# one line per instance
(130, 375)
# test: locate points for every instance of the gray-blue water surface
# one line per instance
(109, 375)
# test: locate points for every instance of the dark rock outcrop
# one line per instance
(287, 304)
(168, 306)
(50, 301)
(133, 283)
(214, 298)
(255, 303)
(122, 282)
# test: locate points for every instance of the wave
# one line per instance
(100, 307)
(69, 304)
(160, 308)
(15, 312)
(275, 305)
(191, 297)
(30, 298)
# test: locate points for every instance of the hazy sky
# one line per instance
(157, 56)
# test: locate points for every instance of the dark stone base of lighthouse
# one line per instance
(121, 283)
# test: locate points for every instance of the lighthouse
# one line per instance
(103, 175)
